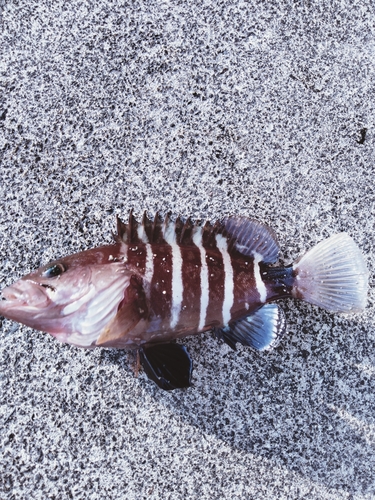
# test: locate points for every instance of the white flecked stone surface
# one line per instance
(203, 109)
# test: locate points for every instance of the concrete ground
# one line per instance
(204, 109)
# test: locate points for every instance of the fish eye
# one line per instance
(53, 271)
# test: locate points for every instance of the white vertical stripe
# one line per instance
(149, 267)
(259, 283)
(222, 245)
(149, 264)
(142, 233)
(197, 240)
(177, 285)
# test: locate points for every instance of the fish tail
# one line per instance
(332, 275)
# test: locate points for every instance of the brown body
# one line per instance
(161, 281)
(159, 290)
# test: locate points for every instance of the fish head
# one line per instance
(71, 298)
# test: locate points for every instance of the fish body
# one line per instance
(164, 280)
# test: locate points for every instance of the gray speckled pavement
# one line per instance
(203, 109)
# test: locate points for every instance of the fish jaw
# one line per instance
(22, 300)
(28, 303)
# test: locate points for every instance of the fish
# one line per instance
(164, 279)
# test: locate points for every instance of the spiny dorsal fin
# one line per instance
(122, 230)
(128, 232)
(187, 233)
(157, 230)
(179, 226)
(132, 229)
(208, 236)
(147, 227)
(246, 236)
(146, 232)
(168, 226)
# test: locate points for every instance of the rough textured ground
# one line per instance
(204, 109)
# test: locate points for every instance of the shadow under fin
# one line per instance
(168, 365)
(261, 330)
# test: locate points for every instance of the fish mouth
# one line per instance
(23, 294)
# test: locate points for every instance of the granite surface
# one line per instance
(204, 109)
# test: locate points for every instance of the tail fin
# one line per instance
(333, 275)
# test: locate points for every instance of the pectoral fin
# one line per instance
(168, 365)
(132, 310)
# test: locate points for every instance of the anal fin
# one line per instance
(260, 330)
(168, 365)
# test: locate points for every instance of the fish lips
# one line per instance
(23, 296)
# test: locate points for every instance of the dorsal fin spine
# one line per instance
(147, 226)
(169, 231)
(142, 236)
(121, 230)
(245, 236)
(186, 233)
(132, 229)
